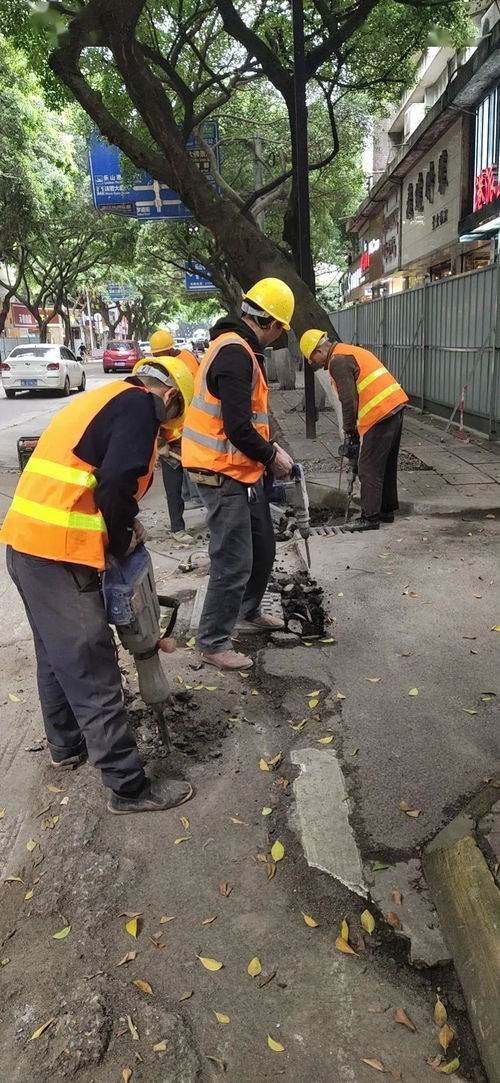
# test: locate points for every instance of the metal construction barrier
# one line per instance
(441, 341)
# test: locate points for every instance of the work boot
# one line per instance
(227, 660)
(67, 762)
(361, 524)
(154, 797)
(261, 623)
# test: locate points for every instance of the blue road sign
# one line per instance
(142, 197)
(198, 279)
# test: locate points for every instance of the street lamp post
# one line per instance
(301, 179)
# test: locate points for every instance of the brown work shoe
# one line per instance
(227, 660)
(154, 797)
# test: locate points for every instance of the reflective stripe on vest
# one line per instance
(48, 469)
(377, 399)
(204, 443)
(76, 519)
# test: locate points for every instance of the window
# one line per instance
(487, 133)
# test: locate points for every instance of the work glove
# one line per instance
(350, 448)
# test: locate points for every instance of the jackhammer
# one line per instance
(134, 607)
(294, 493)
(349, 450)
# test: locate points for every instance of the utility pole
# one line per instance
(89, 312)
(260, 218)
(301, 182)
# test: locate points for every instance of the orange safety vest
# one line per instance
(378, 392)
(204, 443)
(53, 512)
(189, 360)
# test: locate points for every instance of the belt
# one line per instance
(206, 477)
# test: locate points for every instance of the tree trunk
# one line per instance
(285, 367)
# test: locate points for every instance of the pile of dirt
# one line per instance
(193, 731)
(302, 601)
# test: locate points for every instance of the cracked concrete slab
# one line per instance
(322, 814)
(418, 917)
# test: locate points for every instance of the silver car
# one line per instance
(42, 367)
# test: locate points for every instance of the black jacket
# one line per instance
(230, 380)
(118, 443)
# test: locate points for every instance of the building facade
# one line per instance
(440, 188)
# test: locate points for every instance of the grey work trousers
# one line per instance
(173, 476)
(79, 681)
(242, 550)
(378, 467)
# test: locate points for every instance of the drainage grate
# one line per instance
(326, 531)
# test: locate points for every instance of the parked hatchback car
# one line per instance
(121, 356)
(42, 367)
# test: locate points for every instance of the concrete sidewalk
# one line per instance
(440, 473)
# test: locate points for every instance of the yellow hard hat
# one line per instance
(310, 340)
(179, 377)
(274, 297)
(161, 341)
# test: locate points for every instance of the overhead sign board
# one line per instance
(198, 279)
(140, 196)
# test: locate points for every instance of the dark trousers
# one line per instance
(173, 475)
(242, 550)
(79, 681)
(378, 467)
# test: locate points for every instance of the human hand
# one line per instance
(167, 645)
(281, 466)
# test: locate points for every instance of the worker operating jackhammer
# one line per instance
(75, 503)
(372, 408)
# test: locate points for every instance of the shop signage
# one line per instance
(440, 218)
(390, 234)
(486, 187)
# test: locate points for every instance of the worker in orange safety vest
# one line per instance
(373, 404)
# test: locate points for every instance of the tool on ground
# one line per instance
(294, 492)
(25, 448)
(349, 451)
(134, 607)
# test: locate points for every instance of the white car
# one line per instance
(42, 367)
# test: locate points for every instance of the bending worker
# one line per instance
(226, 449)
(76, 501)
(176, 481)
(372, 408)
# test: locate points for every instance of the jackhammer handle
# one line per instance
(169, 603)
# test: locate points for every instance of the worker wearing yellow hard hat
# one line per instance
(226, 449)
(162, 343)
(169, 444)
(372, 408)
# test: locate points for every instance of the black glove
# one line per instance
(350, 448)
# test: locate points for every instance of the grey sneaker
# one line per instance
(155, 797)
(259, 624)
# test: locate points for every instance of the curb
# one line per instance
(325, 496)
(468, 904)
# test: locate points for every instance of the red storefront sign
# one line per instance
(365, 261)
(22, 317)
(486, 187)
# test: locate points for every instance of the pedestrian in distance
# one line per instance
(76, 501)
(178, 488)
(226, 450)
(372, 409)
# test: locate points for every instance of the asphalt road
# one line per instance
(30, 412)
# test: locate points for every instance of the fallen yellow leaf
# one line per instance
(469, 710)
(313, 703)
(413, 692)
(397, 897)
(133, 1029)
(325, 740)
(393, 920)
(235, 820)
(277, 851)
(128, 958)
(241, 673)
(340, 695)
(211, 687)
(254, 967)
(400, 1016)
(309, 920)
(453, 1065)
(126, 1075)
(299, 726)
(13, 880)
(225, 890)
(183, 838)
(160, 1047)
(316, 692)
(445, 1037)
(132, 927)
(496, 628)
(62, 934)
(221, 1018)
(64, 801)
(377, 1064)
(14, 699)
(2, 813)
(165, 919)
(30, 846)
(144, 986)
(344, 930)
(440, 1014)
(209, 964)
(277, 1047)
(263, 764)
(54, 789)
(367, 921)
(267, 811)
(373, 680)
(187, 995)
(185, 822)
(28, 896)
(343, 946)
(208, 921)
(209, 1056)
(40, 1030)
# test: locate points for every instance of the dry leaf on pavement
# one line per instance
(187, 995)
(309, 920)
(445, 1037)
(450, 1068)
(208, 921)
(413, 692)
(393, 920)
(132, 927)
(132, 1028)
(221, 1018)
(254, 967)
(62, 934)
(367, 921)
(344, 930)
(209, 964)
(397, 897)
(377, 1064)
(40, 1030)
(277, 1047)
(144, 986)
(160, 1047)
(130, 914)
(128, 958)
(126, 1075)
(216, 1060)
(344, 947)
(183, 838)
(277, 851)
(440, 1014)
(400, 1016)
(225, 890)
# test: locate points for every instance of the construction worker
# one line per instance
(178, 488)
(372, 408)
(76, 501)
(226, 449)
